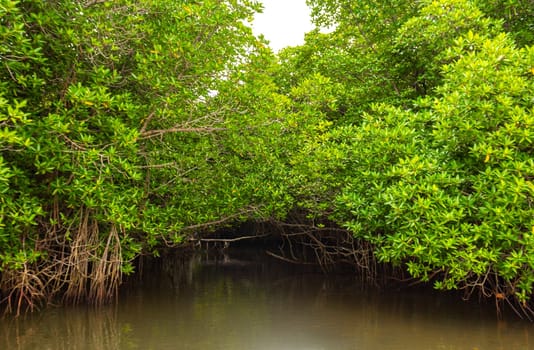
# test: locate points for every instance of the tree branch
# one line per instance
(155, 133)
(228, 240)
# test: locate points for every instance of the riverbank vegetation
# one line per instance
(128, 126)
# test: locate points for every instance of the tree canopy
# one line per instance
(428, 153)
(127, 126)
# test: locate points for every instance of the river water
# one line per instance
(255, 302)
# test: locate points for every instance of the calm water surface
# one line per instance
(252, 302)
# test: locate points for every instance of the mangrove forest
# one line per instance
(398, 142)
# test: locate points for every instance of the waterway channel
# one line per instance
(254, 302)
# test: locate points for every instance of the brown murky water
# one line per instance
(256, 303)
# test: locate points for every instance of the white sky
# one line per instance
(283, 22)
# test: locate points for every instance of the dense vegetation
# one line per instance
(126, 126)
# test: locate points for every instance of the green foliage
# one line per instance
(381, 53)
(458, 198)
(125, 126)
(517, 17)
(129, 125)
(438, 178)
(19, 208)
(419, 47)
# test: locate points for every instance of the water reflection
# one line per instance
(254, 303)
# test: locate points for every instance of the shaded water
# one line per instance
(253, 302)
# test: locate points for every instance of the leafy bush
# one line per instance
(456, 204)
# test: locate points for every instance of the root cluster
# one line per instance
(80, 264)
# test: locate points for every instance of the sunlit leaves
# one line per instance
(122, 122)
(441, 184)
(459, 203)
